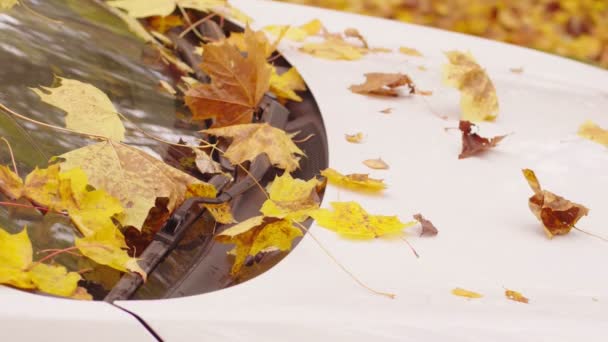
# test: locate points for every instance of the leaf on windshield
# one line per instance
(256, 235)
(296, 33)
(590, 130)
(473, 143)
(349, 219)
(7, 4)
(10, 184)
(354, 181)
(286, 84)
(18, 269)
(131, 175)
(291, 199)
(516, 296)
(557, 214)
(410, 51)
(163, 24)
(428, 228)
(383, 84)
(251, 140)
(238, 83)
(466, 293)
(88, 109)
(478, 100)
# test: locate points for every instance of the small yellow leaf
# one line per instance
(465, 293)
(354, 138)
(163, 24)
(516, 296)
(590, 130)
(87, 108)
(292, 199)
(55, 279)
(410, 51)
(351, 220)
(251, 140)
(377, 164)
(258, 234)
(285, 85)
(334, 49)
(478, 100)
(296, 33)
(355, 181)
(10, 184)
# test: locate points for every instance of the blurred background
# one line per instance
(576, 29)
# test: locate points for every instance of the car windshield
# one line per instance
(87, 41)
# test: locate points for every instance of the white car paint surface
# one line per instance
(488, 238)
(488, 241)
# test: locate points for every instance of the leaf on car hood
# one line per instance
(354, 181)
(590, 130)
(473, 143)
(383, 84)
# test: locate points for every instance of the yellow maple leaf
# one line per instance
(478, 100)
(222, 213)
(238, 82)
(134, 177)
(10, 184)
(257, 234)
(291, 199)
(465, 293)
(354, 181)
(7, 4)
(296, 33)
(42, 187)
(351, 220)
(87, 108)
(285, 85)
(334, 49)
(251, 140)
(18, 269)
(590, 130)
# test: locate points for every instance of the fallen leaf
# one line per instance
(427, 226)
(516, 296)
(7, 4)
(383, 84)
(351, 220)
(422, 68)
(205, 164)
(163, 8)
(386, 111)
(238, 40)
(377, 164)
(410, 52)
(296, 33)
(466, 293)
(334, 49)
(478, 100)
(163, 24)
(88, 109)
(251, 140)
(557, 214)
(354, 181)
(473, 143)
(257, 234)
(291, 199)
(164, 85)
(10, 184)
(238, 83)
(354, 33)
(131, 175)
(286, 84)
(354, 138)
(18, 269)
(517, 70)
(590, 130)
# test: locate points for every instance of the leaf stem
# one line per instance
(411, 247)
(591, 234)
(347, 271)
(10, 151)
(11, 204)
(187, 17)
(50, 256)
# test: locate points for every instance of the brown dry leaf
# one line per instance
(473, 143)
(251, 140)
(516, 296)
(590, 130)
(410, 51)
(133, 176)
(354, 33)
(466, 293)
(257, 234)
(386, 111)
(478, 100)
(383, 84)
(519, 70)
(238, 82)
(427, 226)
(354, 181)
(557, 214)
(377, 164)
(354, 138)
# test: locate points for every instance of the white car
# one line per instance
(488, 239)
